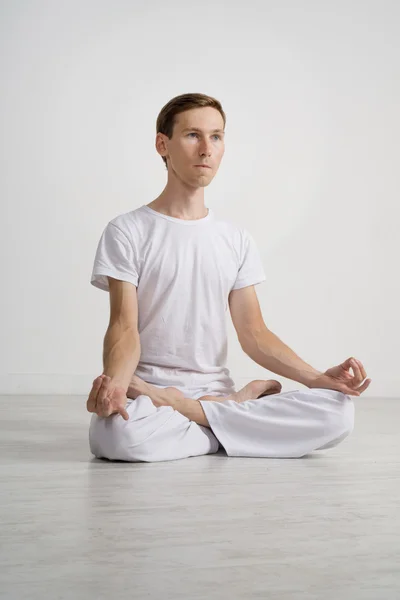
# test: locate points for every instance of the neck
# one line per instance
(181, 203)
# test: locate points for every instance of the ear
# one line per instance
(161, 144)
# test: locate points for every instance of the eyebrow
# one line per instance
(197, 129)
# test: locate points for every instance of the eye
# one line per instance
(215, 135)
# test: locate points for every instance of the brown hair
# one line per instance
(166, 119)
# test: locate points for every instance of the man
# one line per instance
(171, 269)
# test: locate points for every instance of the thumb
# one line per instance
(349, 391)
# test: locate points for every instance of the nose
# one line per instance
(205, 148)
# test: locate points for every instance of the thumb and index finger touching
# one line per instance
(99, 400)
(360, 376)
(119, 402)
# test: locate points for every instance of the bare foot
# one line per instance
(252, 391)
(137, 387)
(168, 396)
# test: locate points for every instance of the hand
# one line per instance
(338, 378)
(107, 398)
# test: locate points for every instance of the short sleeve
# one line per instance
(115, 257)
(251, 270)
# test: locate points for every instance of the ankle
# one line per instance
(138, 387)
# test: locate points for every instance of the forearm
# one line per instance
(267, 350)
(121, 353)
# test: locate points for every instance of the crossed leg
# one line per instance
(253, 390)
(169, 426)
(191, 408)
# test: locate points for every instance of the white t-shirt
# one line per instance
(183, 271)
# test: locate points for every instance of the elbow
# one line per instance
(251, 339)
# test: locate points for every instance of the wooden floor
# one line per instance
(325, 527)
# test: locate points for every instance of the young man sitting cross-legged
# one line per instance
(172, 268)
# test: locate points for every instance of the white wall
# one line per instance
(311, 92)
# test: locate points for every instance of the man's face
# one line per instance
(198, 139)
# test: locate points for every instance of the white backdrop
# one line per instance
(311, 93)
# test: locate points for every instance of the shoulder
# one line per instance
(131, 224)
(239, 235)
(226, 225)
(127, 219)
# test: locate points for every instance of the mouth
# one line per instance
(203, 166)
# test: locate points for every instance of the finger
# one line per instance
(346, 372)
(102, 394)
(347, 390)
(124, 414)
(358, 391)
(350, 392)
(358, 378)
(364, 386)
(347, 363)
(104, 409)
(361, 366)
(91, 401)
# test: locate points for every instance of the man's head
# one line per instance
(190, 132)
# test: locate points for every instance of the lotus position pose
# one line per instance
(172, 268)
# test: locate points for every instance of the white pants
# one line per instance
(287, 425)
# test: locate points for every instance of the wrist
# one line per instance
(118, 382)
(309, 377)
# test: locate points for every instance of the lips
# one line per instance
(203, 166)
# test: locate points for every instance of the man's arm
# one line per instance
(121, 351)
(261, 344)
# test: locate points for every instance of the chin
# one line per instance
(204, 182)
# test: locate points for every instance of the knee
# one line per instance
(341, 420)
(134, 440)
(108, 438)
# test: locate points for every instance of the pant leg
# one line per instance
(152, 434)
(286, 425)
